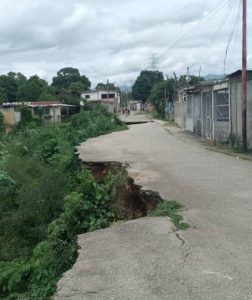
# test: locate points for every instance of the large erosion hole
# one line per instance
(135, 122)
(131, 198)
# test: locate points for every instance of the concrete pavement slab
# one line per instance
(215, 260)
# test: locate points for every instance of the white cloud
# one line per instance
(114, 39)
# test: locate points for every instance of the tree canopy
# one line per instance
(9, 87)
(183, 81)
(32, 89)
(143, 85)
(105, 86)
(66, 86)
(66, 76)
(161, 93)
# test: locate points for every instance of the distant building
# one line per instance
(136, 105)
(110, 99)
(49, 111)
(213, 109)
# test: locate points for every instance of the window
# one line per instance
(47, 110)
(87, 96)
(222, 105)
(111, 96)
(104, 96)
(37, 111)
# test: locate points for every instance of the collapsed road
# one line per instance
(147, 259)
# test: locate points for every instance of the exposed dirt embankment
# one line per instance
(131, 198)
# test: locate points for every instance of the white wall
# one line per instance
(97, 96)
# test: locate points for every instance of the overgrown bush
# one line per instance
(46, 199)
(1, 123)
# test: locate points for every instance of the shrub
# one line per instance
(1, 122)
(51, 199)
(169, 208)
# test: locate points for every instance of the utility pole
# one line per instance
(108, 93)
(165, 97)
(244, 75)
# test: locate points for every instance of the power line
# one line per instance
(233, 44)
(216, 33)
(236, 22)
(202, 22)
(232, 7)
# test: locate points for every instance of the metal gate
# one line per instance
(207, 114)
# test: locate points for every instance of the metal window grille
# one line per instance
(222, 105)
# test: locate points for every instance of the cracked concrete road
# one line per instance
(145, 259)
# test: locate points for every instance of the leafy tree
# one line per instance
(19, 78)
(46, 95)
(161, 92)
(183, 80)
(105, 86)
(9, 85)
(66, 76)
(143, 85)
(1, 122)
(66, 96)
(76, 88)
(3, 97)
(32, 89)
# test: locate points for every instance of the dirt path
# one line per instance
(146, 259)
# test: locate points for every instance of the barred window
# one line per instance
(222, 105)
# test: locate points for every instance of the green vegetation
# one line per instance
(106, 86)
(1, 122)
(144, 83)
(47, 197)
(66, 87)
(160, 94)
(183, 80)
(151, 86)
(170, 209)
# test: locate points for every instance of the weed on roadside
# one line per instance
(169, 209)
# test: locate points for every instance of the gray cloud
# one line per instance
(111, 39)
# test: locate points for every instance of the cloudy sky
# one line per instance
(116, 39)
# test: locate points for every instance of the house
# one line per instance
(110, 99)
(213, 109)
(48, 111)
(136, 105)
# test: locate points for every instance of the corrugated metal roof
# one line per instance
(35, 104)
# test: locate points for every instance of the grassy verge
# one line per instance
(170, 209)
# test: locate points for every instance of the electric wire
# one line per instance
(200, 24)
(216, 33)
(236, 22)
